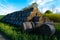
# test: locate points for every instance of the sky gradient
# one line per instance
(8, 6)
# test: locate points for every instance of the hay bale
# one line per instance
(27, 25)
(17, 17)
(47, 29)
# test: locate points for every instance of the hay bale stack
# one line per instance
(46, 29)
(18, 17)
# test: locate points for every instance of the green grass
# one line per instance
(57, 26)
(8, 30)
(15, 34)
(11, 32)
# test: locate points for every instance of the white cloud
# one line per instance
(57, 10)
(44, 9)
(7, 10)
(42, 4)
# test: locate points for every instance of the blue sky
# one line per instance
(8, 6)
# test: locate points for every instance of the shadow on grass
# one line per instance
(4, 36)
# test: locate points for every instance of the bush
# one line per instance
(48, 12)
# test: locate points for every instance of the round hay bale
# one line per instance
(27, 26)
(47, 29)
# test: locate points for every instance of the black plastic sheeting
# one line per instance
(47, 29)
(44, 29)
(18, 17)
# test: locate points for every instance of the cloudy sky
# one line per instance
(8, 6)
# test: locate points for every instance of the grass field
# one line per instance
(15, 33)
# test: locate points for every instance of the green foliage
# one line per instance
(53, 17)
(34, 5)
(48, 12)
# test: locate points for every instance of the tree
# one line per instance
(48, 12)
(35, 4)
